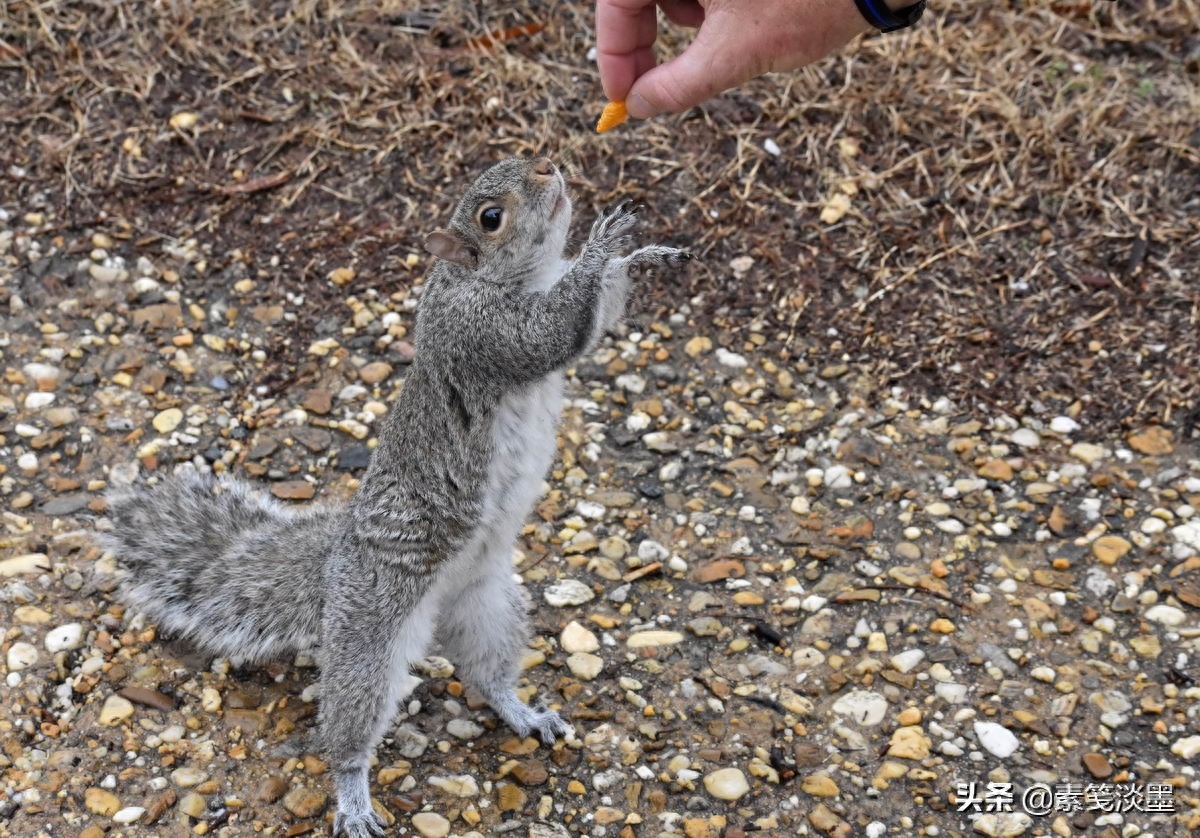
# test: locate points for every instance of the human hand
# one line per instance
(737, 41)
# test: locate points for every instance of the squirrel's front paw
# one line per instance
(609, 231)
(650, 259)
(358, 825)
(548, 725)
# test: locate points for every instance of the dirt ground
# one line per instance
(903, 472)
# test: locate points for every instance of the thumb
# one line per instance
(719, 58)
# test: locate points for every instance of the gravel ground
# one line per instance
(770, 598)
(893, 494)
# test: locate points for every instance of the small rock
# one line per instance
(576, 638)
(1187, 748)
(187, 776)
(101, 802)
(996, 739)
(909, 743)
(697, 346)
(168, 420)
(567, 592)
(375, 372)
(1063, 425)
(64, 638)
(271, 789)
(730, 359)
(1003, 824)
(128, 815)
(192, 805)
(585, 666)
(431, 825)
(1025, 438)
(1109, 548)
(305, 803)
(1152, 441)
(907, 660)
(115, 710)
(293, 490)
(1167, 615)
(461, 785)
(24, 563)
(862, 707)
(21, 656)
(819, 785)
(1087, 453)
(1097, 765)
(641, 639)
(726, 783)
(464, 729)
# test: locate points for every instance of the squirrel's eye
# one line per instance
(490, 219)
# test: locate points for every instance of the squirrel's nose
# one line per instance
(543, 167)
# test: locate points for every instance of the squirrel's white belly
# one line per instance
(524, 435)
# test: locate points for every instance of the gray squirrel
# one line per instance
(423, 551)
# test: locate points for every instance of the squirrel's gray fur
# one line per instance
(423, 551)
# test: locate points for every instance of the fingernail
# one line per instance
(638, 107)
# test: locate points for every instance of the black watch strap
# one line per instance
(889, 20)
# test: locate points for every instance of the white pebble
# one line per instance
(1063, 425)
(1167, 615)
(64, 638)
(128, 815)
(730, 359)
(771, 147)
(996, 739)
(567, 592)
(28, 462)
(1025, 437)
(36, 401)
(463, 729)
(21, 656)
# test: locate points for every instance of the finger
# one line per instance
(719, 58)
(625, 33)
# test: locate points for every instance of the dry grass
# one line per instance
(1023, 224)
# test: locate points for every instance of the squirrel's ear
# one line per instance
(451, 248)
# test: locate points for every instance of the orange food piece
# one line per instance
(614, 114)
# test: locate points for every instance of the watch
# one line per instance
(889, 20)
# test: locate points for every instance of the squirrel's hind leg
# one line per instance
(369, 645)
(485, 630)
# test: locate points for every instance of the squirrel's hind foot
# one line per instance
(358, 825)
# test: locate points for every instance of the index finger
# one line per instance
(625, 33)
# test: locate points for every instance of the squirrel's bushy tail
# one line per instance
(222, 565)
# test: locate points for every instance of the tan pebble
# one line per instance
(909, 716)
(909, 743)
(92, 831)
(891, 770)
(115, 710)
(576, 638)
(698, 346)
(293, 490)
(1097, 765)
(168, 420)
(641, 639)
(510, 797)
(305, 803)
(748, 598)
(272, 788)
(342, 276)
(942, 626)
(1109, 548)
(192, 805)
(703, 827)
(996, 470)
(576, 787)
(375, 372)
(823, 819)
(101, 802)
(819, 785)
(1152, 441)
(607, 814)
(726, 783)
